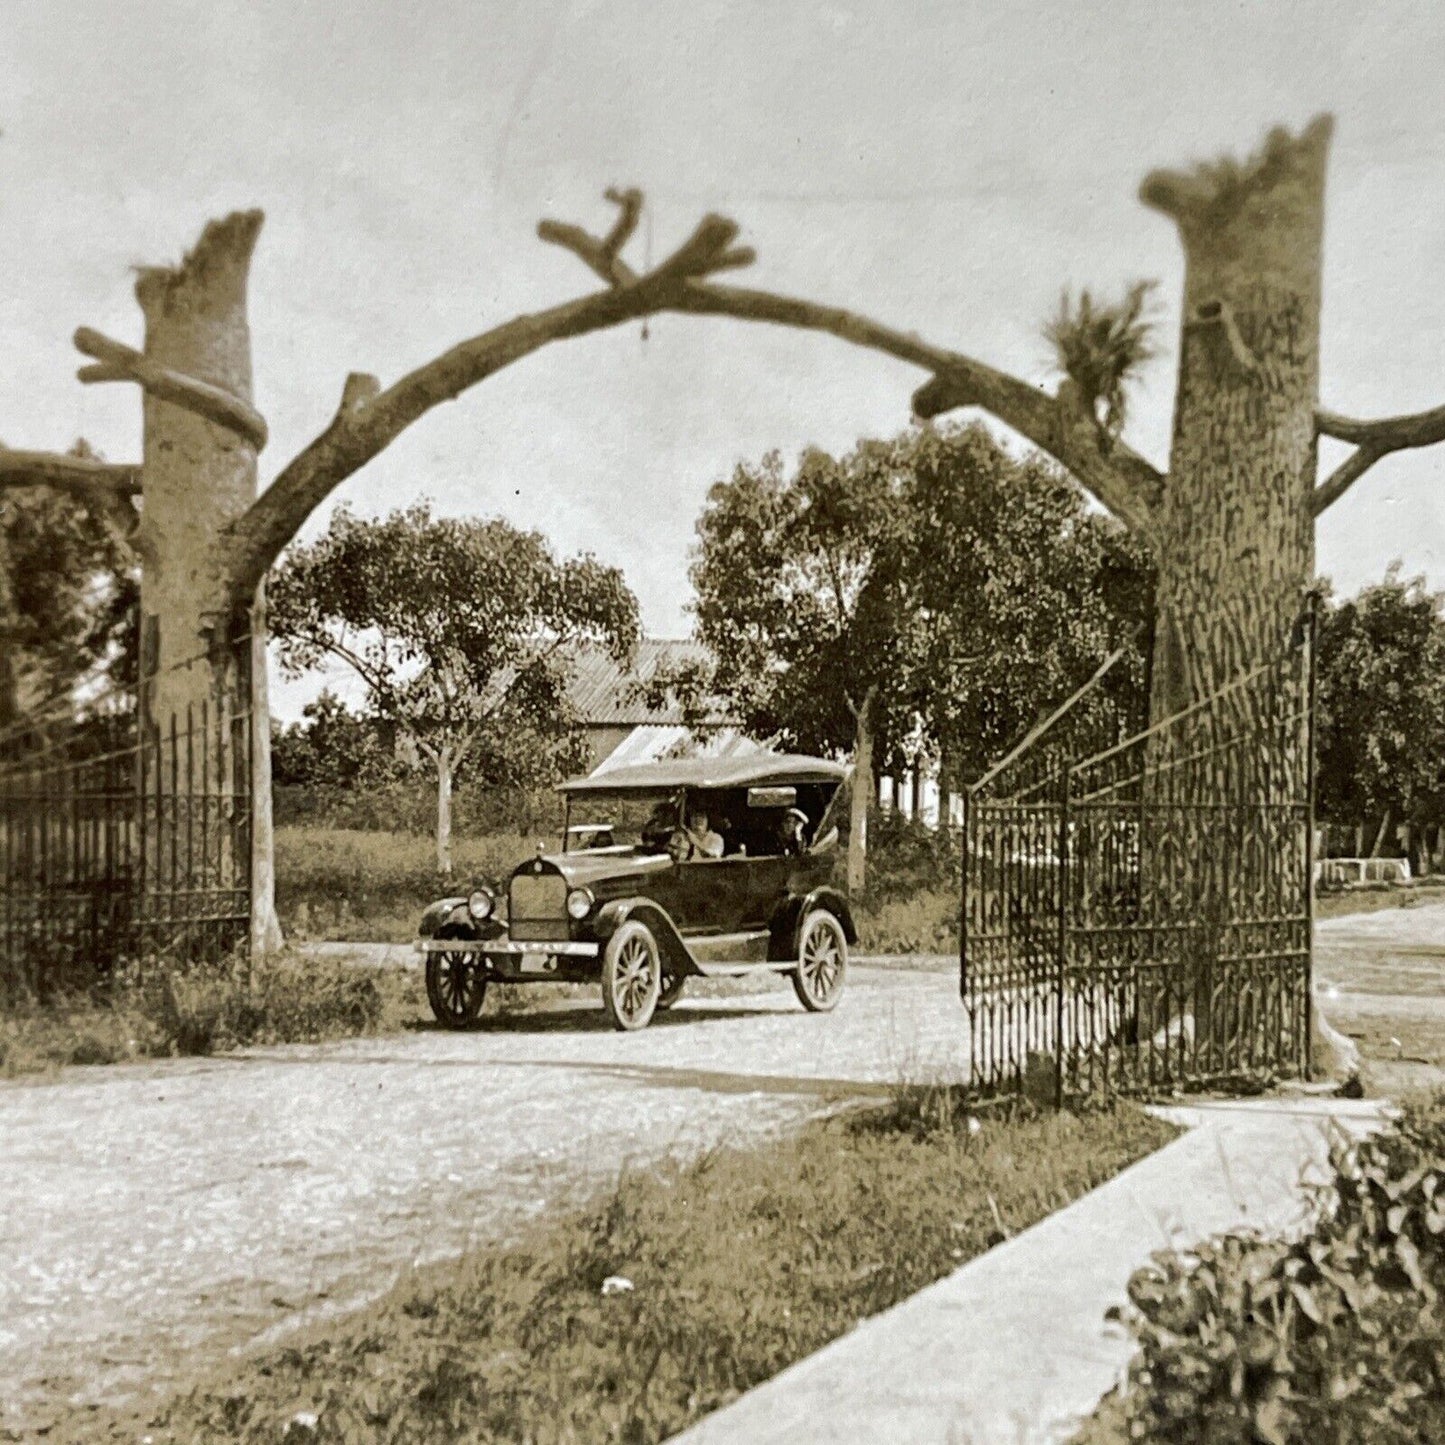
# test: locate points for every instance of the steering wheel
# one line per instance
(679, 846)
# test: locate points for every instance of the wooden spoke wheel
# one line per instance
(631, 976)
(456, 983)
(822, 961)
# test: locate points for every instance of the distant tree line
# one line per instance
(922, 599)
(1381, 692)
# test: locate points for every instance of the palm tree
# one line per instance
(1101, 349)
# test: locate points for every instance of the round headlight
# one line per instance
(480, 903)
(579, 903)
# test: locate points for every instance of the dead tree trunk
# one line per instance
(1235, 530)
(200, 477)
(444, 812)
(861, 795)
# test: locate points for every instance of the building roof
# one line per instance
(602, 691)
(720, 772)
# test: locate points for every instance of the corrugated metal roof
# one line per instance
(599, 689)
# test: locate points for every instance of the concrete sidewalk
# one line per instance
(1014, 1347)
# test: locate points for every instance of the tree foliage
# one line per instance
(68, 598)
(331, 747)
(1381, 693)
(460, 629)
(1102, 348)
(800, 594)
(1017, 593)
(971, 590)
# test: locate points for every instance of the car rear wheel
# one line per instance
(822, 961)
(631, 976)
(456, 983)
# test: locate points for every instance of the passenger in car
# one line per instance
(655, 831)
(793, 832)
(705, 843)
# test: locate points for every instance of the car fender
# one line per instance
(454, 910)
(789, 918)
(618, 911)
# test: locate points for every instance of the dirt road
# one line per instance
(150, 1211)
(1380, 977)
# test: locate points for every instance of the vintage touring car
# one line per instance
(700, 866)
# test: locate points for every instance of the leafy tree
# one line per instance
(1381, 690)
(930, 583)
(460, 629)
(330, 747)
(800, 589)
(68, 595)
(1020, 594)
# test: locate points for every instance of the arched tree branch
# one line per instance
(82, 477)
(1373, 440)
(368, 421)
(114, 361)
(1119, 477)
(367, 424)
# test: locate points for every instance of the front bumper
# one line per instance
(557, 949)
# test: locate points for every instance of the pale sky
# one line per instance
(945, 167)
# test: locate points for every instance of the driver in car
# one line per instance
(705, 843)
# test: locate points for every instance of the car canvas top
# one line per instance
(734, 772)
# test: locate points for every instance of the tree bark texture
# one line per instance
(198, 477)
(444, 812)
(1235, 532)
(861, 796)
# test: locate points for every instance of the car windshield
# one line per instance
(754, 822)
(641, 823)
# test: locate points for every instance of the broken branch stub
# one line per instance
(114, 361)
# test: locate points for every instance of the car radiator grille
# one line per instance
(537, 911)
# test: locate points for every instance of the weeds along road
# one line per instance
(151, 1212)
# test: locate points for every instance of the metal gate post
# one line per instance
(963, 903)
(1312, 625)
(1062, 944)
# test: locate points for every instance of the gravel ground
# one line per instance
(1381, 979)
(151, 1211)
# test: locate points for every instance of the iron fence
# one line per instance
(125, 828)
(1137, 917)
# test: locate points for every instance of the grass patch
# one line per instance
(169, 1011)
(925, 922)
(1336, 1336)
(735, 1266)
(360, 886)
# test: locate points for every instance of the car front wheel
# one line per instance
(631, 976)
(456, 984)
(822, 961)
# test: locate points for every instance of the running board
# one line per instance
(729, 955)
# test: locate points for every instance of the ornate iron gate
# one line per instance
(125, 835)
(1137, 917)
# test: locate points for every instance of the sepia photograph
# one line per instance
(722, 722)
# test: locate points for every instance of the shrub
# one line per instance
(170, 1009)
(1336, 1336)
